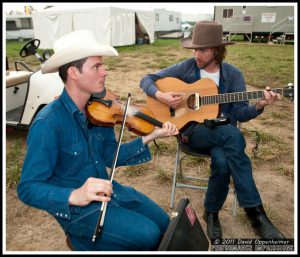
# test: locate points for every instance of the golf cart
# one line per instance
(28, 91)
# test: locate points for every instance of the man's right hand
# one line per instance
(172, 99)
(94, 189)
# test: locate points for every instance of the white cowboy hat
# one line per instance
(75, 46)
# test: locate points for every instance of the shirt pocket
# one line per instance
(73, 157)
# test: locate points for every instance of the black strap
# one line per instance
(185, 136)
(156, 144)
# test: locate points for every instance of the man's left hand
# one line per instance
(270, 98)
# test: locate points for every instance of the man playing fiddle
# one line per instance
(64, 172)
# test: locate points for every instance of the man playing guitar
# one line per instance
(225, 143)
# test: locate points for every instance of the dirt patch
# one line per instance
(29, 229)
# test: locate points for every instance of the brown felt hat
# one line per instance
(206, 34)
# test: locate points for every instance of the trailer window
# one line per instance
(157, 16)
(171, 17)
(26, 23)
(11, 25)
(227, 13)
(247, 18)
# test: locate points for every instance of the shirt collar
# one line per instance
(223, 72)
(68, 102)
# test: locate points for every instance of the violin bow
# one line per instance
(100, 222)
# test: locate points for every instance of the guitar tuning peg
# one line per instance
(290, 84)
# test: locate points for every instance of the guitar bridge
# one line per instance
(193, 102)
(197, 102)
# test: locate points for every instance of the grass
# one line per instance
(165, 147)
(269, 148)
(137, 170)
(163, 176)
(262, 143)
(14, 159)
(157, 46)
(263, 65)
(286, 171)
(193, 161)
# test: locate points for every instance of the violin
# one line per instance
(108, 110)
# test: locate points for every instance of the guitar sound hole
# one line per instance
(191, 102)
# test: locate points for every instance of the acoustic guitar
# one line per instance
(200, 101)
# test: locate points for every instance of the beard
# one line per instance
(204, 65)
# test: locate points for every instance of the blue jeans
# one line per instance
(134, 226)
(228, 158)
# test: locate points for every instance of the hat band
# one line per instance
(207, 41)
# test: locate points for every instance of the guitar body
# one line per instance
(184, 113)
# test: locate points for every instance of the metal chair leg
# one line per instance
(175, 177)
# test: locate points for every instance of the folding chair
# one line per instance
(186, 150)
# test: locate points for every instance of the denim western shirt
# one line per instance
(231, 80)
(63, 152)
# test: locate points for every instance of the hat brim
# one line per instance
(74, 53)
(187, 43)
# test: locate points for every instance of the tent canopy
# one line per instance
(111, 25)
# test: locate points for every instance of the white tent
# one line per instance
(111, 25)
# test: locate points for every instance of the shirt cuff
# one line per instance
(140, 153)
(59, 202)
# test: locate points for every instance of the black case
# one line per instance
(184, 232)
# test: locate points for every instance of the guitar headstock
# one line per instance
(288, 91)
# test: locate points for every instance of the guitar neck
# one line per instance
(235, 97)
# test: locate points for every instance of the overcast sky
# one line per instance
(186, 7)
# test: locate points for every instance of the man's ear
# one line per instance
(72, 72)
